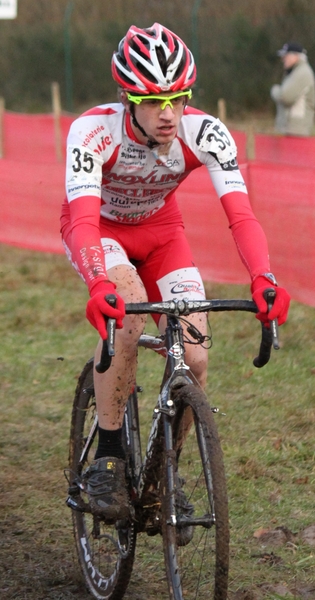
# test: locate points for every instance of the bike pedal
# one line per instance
(76, 503)
(153, 528)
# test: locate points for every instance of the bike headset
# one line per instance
(152, 61)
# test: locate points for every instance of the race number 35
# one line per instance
(82, 161)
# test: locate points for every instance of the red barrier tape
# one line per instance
(280, 181)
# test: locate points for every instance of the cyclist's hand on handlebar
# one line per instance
(97, 308)
(280, 306)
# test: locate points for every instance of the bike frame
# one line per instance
(176, 374)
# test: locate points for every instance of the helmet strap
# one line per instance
(151, 143)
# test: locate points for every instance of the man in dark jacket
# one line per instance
(295, 96)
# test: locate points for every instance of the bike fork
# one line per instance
(170, 470)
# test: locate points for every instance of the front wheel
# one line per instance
(105, 552)
(196, 539)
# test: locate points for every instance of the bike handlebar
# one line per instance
(178, 308)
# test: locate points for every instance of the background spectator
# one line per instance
(295, 96)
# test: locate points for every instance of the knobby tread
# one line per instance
(193, 397)
(117, 583)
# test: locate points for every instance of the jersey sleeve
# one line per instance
(247, 232)
(83, 187)
(215, 147)
(84, 164)
(86, 248)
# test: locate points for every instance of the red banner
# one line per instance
(34, 138)
(31, 196)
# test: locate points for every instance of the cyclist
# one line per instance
(123, 231)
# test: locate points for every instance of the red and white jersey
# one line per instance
(105, 160)
(113, 179)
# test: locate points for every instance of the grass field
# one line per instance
(267, 433)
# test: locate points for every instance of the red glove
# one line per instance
(97, 308)
(280, 306)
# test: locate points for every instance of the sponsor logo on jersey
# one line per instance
(132, 217)
(105, 141)
(116, 200)
(181, 287)
(131, 193)
(132, 153)
(83, 188)
(92, 134)
(151, 178)
(92, 261)
(169, 163)
(235, 183)
(111, 249)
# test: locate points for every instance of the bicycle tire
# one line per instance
(197, 570)
(105, 552)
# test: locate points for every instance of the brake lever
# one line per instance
(269, 335)
(108, 349)
(111, 327)
(270, 295)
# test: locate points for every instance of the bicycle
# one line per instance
(178, 488)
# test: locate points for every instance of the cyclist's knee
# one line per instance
(131, 289)
(128, 282)
(133, 326)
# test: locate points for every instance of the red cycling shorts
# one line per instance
(157, 248)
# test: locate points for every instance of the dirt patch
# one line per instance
(269, 473)
(32, 569)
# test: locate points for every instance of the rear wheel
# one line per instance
(105, 552)
(196, 550)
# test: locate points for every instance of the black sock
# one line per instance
(109, 443)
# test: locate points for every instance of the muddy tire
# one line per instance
(196, 557)
(105, 552)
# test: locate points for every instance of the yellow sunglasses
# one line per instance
(163, 100)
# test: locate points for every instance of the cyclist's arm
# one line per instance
(87, 251)
(247, 232)
(88, 257)
(253, 249)
(216, 148)
(83, 186)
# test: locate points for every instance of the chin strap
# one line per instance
(151, 143)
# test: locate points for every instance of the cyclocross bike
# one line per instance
(177, 488)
